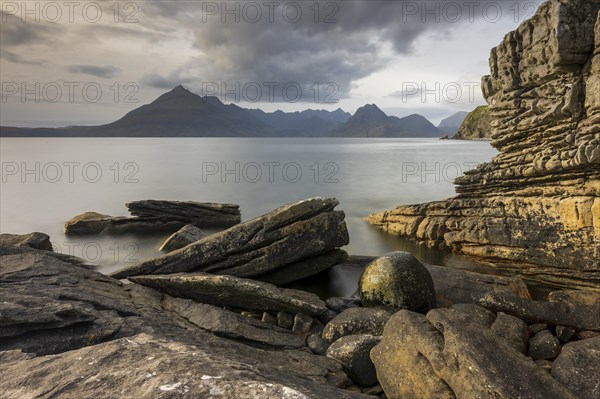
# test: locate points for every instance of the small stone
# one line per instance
(302, 324)
(182, 237)
(357, 321)
(269, 318)
(353, 352)
(564, 333)
(317, 344)
(252, 315)
(544, 345)
(513, 330)
(327, 316)
(375, 390)
(397, 280)
(285, 320)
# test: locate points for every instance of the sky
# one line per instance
(90, 62)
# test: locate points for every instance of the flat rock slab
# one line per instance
(442, 355)
(237, 292)
(91, 223)
(33, 240)
(200, 214)
(578, 316)
(289, 234)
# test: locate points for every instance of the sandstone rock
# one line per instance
(535, 207)
(577, 368)
(476, 126)
(338, 304)
(35, 240)
(513, 330)
(302, 324)
(200, 214)
(353, 352)
(397, 280)
(268, 318)
(355, 321)
(584, 297)
(182, 237)
(476, 314)
(90, 223)
(285, 320)
(580, 317)
(234, 291)
(317, 344)
(127, 340)
(289, 234)
(441, 356)
(543, 345)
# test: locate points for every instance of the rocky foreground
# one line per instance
(186, 329)
(535, 207)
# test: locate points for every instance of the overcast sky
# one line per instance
(88, 62)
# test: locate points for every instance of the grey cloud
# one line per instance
(159, 81)
(15, 32)
(19, 59)
(100, 71)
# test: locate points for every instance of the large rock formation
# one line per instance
(476, 126)
(292, 234)
(535, 207)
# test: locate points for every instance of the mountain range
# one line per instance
(451, 125)
(181, 113)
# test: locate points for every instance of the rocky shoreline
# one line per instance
(183, 326)
(535, 207)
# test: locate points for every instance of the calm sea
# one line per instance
(47, 181)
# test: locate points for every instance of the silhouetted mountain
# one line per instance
(451, 124)
(181, 113)
(308, 123)
(370, 121)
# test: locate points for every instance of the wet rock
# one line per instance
(580, 317)
(397, 280)
(577, 368)
(289, 234)
(200, 214)
(543, 345)
(353, 352)
(513, 330)
(92, 223)
(285, 320)
(442, 356)
(564, 334)
(317, 344)
(302, 324)
(182, 237)
(234, 291)
(355, 321)
(33, 240)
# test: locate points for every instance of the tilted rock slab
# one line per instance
(536, 205)
(234, 291)
(442, 355)
(286, 235)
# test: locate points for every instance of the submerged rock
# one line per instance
(289, 234)
(397, 280)
(442, 356)
(234, 291)
(353, 352)
(182, 237)
(91, 223)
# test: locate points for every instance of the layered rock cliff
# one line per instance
(535, 207)
(476, 126)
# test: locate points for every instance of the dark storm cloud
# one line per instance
(344, 42)
(100, 71)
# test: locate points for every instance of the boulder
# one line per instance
(92, 223)
(584, 297)
(200, 214)
(513, 330)
(182, 237)
(355, 321)
(443, 356)
(564, 334)
(294, 232)
(33, 240)
(543, 345)
(234, 291)
(397, 280)
(353, 352)
(577, 368)
(580, 317)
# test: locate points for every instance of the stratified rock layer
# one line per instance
(476, 126)
(536, 205)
